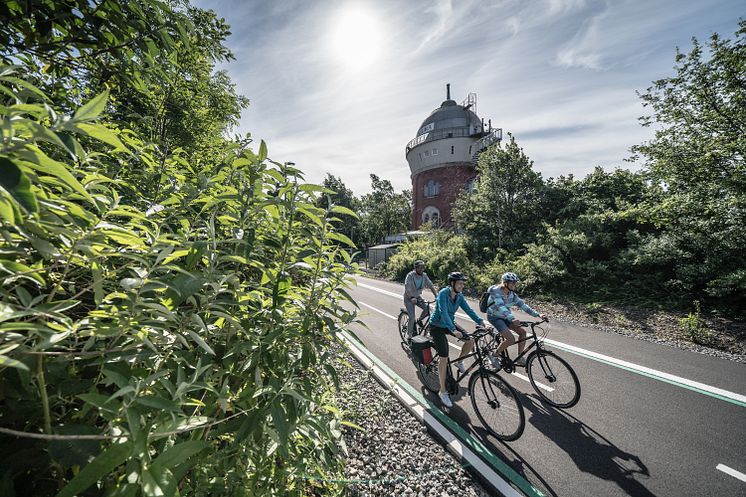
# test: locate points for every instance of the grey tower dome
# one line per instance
(451, 115)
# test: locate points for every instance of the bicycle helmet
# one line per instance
(511, 277)
(456, 276)
(418, 263)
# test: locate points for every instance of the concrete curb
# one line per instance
(470, 451)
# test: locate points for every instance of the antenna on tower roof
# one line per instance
(448, 91)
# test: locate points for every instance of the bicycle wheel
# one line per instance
(496, 405)
(548, 368)
(403, 325)
(429, 375)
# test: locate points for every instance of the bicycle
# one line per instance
(419, 325)
(543, 365)
(494, 400)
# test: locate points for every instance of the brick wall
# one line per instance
(452, 178)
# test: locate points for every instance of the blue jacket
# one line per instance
(445, 310)
(502, 304)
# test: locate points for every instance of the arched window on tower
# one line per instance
(432, 188)
(431, 215)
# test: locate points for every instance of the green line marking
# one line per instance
(655, 377)
(475, 445)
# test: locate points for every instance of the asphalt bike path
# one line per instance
(680, 430)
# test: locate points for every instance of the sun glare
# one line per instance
(356, 38)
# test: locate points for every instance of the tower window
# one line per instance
(431, 215)
(427, 153)
(432, 188)
(452, 148)
(435, 151)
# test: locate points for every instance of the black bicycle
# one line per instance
(494, 400)
(419, 325)
(563, 388)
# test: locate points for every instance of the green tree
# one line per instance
(502, 212)
(383, 211)
(697, 164)
(342, 196)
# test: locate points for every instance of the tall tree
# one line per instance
(344, 197)
(697, 162)
(383, 211)
(501, 213)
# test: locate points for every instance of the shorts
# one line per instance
(500, 324)
(440, 339)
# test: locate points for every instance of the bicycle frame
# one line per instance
(509, 365)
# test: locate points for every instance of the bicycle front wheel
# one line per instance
(496, 405)
(553, 379)
(403, 322)
(429, 375)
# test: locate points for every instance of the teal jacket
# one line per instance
(499, 305)
(445, 310)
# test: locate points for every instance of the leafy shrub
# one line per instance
(178, 314)
(443, 252)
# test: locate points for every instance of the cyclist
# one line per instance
(414, 283)
(502, 298)
(442, 322)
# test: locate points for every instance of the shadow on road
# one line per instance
(590, 451)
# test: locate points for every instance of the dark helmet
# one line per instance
(511, 277)
(456, 276)
(418, 263)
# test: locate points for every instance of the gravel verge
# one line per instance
(394, 454)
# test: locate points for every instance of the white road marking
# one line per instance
(730, 471)
(636, 368)
(378, 310)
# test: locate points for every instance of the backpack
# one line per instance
(483, 302)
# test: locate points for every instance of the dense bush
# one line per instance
(441, 250)
(168, 297)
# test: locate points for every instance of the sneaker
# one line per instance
(461, 368)
(496, 362)
(446, 399)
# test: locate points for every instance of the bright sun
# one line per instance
(356, 37)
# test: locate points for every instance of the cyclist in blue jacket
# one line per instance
(502, 298)
(442, 322)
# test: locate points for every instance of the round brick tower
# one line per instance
(442, 158)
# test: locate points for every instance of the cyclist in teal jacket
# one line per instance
(442, 322)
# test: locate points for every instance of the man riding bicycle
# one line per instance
(442, 322)
(414, 283)
(502, 298)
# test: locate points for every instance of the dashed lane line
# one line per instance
(732, 472)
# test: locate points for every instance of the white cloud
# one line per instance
(560, 74)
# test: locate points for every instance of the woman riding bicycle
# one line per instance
(502, 298)
(442, 323)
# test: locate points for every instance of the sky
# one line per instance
(340, 87)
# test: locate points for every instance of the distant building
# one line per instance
(442, 158)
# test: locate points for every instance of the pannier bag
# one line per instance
(483, 301)
(421, 349)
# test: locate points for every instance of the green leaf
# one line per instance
(35, 159)
(21, 270)
(200, 341)
(157, 481)
(344, 210)
(101, 133)
(101, 466)
(7, 211)
(93, 108)
(341, 238)
(262, 151)
(12, 363)
(179, 453)
(17, 184)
